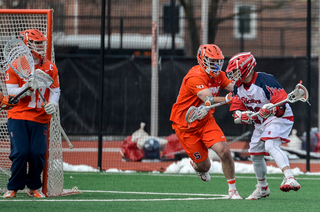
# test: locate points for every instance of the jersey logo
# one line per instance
(214, 90)
(248, 101)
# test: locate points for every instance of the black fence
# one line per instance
(127, 92)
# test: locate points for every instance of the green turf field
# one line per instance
(163, 192)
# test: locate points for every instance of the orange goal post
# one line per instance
(12, 22)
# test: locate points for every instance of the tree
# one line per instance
(215, 19)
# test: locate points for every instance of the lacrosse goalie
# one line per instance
(257, 92)
(28, 121)
(201, 88)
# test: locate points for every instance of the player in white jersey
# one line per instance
(256, 92)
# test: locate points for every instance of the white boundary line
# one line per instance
(211, 197)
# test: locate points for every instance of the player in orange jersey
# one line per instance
(201, 86)
(28, 121)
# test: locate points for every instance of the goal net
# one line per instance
(12, 22)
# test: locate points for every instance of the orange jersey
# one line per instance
(29, 107)
(195, 81)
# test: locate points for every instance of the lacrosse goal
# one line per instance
(12, 22)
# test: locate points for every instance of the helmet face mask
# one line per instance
(213, 66)
(210, 59)
(240, 67)
(235, 75)
(36, 42)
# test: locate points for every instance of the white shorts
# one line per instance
(277, 128)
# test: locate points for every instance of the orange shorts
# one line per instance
(197, 141)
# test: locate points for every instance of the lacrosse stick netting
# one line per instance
(19, 58)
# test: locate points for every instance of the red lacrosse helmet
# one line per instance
(240, 66)
(36, 42)
(210, 59)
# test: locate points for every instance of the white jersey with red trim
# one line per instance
(264, 88)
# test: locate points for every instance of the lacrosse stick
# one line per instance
(193, 112)
(20, 59)
(300, 93)
(57, 122)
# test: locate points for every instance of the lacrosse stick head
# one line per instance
(42, 79)
(192, 114)
(19, 58)
(300, 93)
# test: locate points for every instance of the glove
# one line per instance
(33, 83)
(264, 112)
(243, 117)
(28, 92)
(229, 98)
(50, 107)
(202, 112)
(7, 102)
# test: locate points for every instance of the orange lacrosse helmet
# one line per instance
(210, 59)
(240, 66)
(36, 42)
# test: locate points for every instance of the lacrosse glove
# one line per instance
(50, 107)
(243, 117)
(7, 102)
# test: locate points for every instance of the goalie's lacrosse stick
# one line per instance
(54, 116)
(193, 112)
(300, 93)
(20, 59)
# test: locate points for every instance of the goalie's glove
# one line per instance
(7, 102)
(229, 98)
(265, 112)
(202, 112)
(243, 117)
(50, 107)
(33, 83)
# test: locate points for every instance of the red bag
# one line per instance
(173, 146)
(130, 150)
(317, 149)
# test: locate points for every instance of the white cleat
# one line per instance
(204, 176)
(289, 184)
(260, 192)
(233, 194)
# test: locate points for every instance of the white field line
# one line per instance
(114, 200)
(211, 197)
(151, 193)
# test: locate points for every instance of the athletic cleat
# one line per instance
(233, 194)
(289, 184)
(260, 192)
(10, 194)
(204, 176)
(36, 193)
